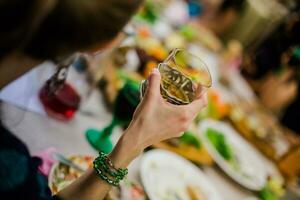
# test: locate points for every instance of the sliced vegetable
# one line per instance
(190, 138)
(267, 194)
(218, 140)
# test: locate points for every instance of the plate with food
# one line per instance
(188, 146)
(167, 176)
(62, 175)
(234, 155)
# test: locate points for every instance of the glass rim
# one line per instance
(174, 52)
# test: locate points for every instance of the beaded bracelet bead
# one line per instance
(106, 170)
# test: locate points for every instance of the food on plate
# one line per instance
(188, 32)
(189, 145)
(153, 47)
(235, 156)
(191, 139)
(174, 40)
(113, 194)
(217, 108)
(272, 190)
(199, 156)
(149, 12)
(167, 176)
(149, 67)
(132, 190)
(62, 175)
(221, 144)
(219, 141)
(195, 193)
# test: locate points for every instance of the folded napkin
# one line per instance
(47, 160)
(23, 92)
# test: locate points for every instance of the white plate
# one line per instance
(166, 175)
(250, 160)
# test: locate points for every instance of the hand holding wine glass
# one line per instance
(155, 120)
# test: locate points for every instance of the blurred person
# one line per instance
(223, 14)
(291, 115)
(268, 57)
(278, 91)
(53, 29)
(34, 30)
(272, 70)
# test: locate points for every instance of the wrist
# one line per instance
(125, 150)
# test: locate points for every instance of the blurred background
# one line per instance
(246, 142)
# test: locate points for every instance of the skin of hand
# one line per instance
(277, 91)
(154, 120)
(159, 120)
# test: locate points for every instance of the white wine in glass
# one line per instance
(183, 77)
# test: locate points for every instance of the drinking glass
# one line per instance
(184, 77)
(63, 92)
(124, 107)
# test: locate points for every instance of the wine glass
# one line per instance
(64, 92)
(184, 77)
(59, 96)
(123, 109)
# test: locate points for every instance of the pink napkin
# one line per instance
(47, 160)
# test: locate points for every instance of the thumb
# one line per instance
(153, 88)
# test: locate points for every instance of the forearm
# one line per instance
(90, 186)
(153, 121)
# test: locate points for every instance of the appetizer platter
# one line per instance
(167, 176)
(235, 156)
(62, 175)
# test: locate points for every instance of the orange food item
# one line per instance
(144, 32)
(289, 163)
(158, 52)
(149, 66)
(213, 96)
(221, 108)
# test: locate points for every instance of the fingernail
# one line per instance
(155, 71)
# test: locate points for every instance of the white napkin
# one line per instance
(23, 92)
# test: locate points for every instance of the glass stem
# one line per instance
(107, 131)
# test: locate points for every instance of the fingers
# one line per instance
(153, 88)
(199, 91)
(286, 75)
(197, 105)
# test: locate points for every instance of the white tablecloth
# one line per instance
(41, 132)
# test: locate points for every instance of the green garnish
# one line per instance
(188, 32)
(149, 13)
(190, 138)
(267, 194)
(272, 190)
(218, 140)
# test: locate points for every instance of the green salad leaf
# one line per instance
(190, 138)
(188, 32)
(150, 12)
(218, 140)
(273, 189)
(267, 194)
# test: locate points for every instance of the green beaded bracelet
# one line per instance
(105, 168)
(109, 167)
